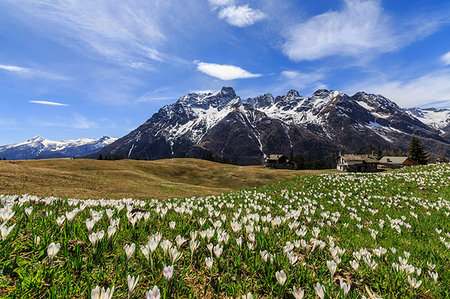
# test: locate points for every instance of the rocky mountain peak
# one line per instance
(221, 124)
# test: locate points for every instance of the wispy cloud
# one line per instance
(420, 91)
(360, 27)
(121, 30)
(7, 122)
(225, 72)
(301, 80)
(75, 121)
(241, 16)
(15, 68)
(48, 103)
(446, 58)
(217, 3)
(30, 72)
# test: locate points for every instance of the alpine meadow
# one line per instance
(329, 235)
(218, 149)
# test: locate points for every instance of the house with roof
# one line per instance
(279, 161)
(396, 162)
(357, 163)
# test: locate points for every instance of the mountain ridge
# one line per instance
(39, 148)
(246, 130)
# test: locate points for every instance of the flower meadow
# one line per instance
(383, 235)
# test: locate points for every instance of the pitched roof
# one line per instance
(365, 158)
(393, 160)
(275, 157)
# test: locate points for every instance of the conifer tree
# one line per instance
(417, 152)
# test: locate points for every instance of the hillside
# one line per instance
(82, 178)
(383, 235)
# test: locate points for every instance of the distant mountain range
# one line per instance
(41, 148)
(223, 125)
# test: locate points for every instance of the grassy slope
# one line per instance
(129, 178)
(79, 266)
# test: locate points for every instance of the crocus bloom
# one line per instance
(29, 210)
(281, 277)
(332, 266)
(168, 272)
(132, 282)
(102, 294)
(414, 283)
(153, 294)
(53, 250)
(6, 230)
(320, 290)
(145, 251)
(345, 286)
(129, 250)
(298, 293)
(248, 296)
(209, 262)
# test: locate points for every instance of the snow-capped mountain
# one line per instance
(40, 148)
(246, 130)
(437, 118)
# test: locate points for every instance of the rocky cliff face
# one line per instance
(246, 130)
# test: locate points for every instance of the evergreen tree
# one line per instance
(379, 153)
(417, 152)
(100, 157)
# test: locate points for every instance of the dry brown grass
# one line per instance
(130, 178)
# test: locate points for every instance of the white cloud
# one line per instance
(77, 121)
(424, 90)
(290, 74)
(29, 72)
(81, 122)
(14, 68)
(241, 16)
(360, 26)
(360, 29)
(224, 71)
(48, 103)
(300, 80)
(122, 30)
(446, 58)
(217, 3)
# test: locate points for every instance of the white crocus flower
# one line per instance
(345, 286)
(102, 294)
(153, 294)
(129, 250)
(52, 250)
(281, 277)
(320, 290)
(298, 293)
(132, 282)
(209, 262)
(414, 283)
(145, 251)
(332, 266)
(168, 272)
(5, 230)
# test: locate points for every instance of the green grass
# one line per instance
(346, 208)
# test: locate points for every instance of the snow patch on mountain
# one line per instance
(437, 118)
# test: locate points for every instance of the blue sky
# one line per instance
(83, 68)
